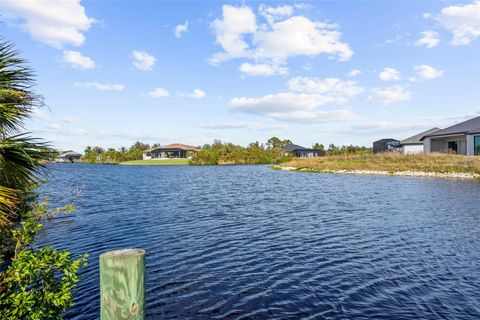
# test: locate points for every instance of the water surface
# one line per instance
(248, 242)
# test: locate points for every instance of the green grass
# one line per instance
(165, 162)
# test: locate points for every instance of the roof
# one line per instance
(386, 140)
(416, 139)
(466, 127)
(174, 146)
(292, 147)
(69, 154)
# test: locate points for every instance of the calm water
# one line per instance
(247, 242)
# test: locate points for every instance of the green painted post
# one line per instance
(122, 284)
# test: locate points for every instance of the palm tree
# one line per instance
(20, 154)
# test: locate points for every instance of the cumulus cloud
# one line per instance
(389, 74)
(159, 93)
(427, 72)
(331, 87)
(181, 29)
(54, 22)
(262, 69)
(291, 106)
(428, 38)
(100, 86)
(197, 94)
(143, 61)
(354, 73)
(462, 21)
(272, 14)
(389, 95)
(282, 37)
(78, 61)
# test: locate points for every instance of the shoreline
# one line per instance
(408, 173)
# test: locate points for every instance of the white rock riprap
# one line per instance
(454, 175)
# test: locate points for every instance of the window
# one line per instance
(476, 145)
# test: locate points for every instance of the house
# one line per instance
(302, 152)
(385, 145)
(462, 138)
(68, 156)
(414, 144)
(176, 150)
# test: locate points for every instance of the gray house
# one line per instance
(462, 138)
(385, 145)
(68, 156)
(414, 144)
(302, 152)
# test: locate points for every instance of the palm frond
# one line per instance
(8, 204)
(20, 157)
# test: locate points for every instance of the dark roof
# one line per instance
(416, 138)
(469, 126)
(292, 147)
(386, 140)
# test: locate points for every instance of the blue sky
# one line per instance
(343, 72)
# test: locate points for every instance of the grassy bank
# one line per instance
(163, 162)
(441, 163)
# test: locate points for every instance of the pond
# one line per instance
(248, 242)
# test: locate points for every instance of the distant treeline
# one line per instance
(100, 155)
(229, 153)
(219, 152)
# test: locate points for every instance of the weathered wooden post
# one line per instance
(122, 284)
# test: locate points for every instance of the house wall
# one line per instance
(147, 156)
(412, 149)
(427, 145)
(441, 144)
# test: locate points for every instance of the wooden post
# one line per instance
(122, 284)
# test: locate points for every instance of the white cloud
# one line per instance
(100, 86)
(389, 95)
(462, 21)
(230, 31)
(71, 120)
(159, 93)
(197, 94)
(180, 29)
(427, 72)
(429, 39)
(331, 87)
(389, 74)
(284, 36)
(56, 23)
(427, 15)
(39, 114)
(272, 14)
(262, 69)
(243, 125)
(78, 61)
(354, 73)
(291, 106)
(143, 61)
(54, 127)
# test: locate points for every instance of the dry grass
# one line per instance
(391, 162)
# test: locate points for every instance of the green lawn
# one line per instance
(165, 162)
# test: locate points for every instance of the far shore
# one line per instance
(433, 165)
(159, 162)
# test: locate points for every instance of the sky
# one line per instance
(342, 72)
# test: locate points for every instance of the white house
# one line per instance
(462, 138)
(413, 145)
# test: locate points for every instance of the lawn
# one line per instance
(390, 162)
(163, 162)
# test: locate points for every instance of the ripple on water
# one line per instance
(246, 242)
